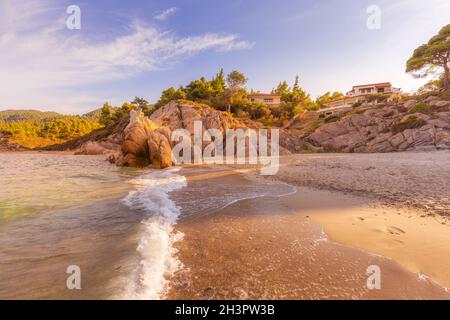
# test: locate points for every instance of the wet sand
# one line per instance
(408, 211)
(419, 243)
(270, 248)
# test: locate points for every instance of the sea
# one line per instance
(78, 227)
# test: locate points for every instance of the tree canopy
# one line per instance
(434, 54)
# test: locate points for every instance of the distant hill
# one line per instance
(34, 129)
(17, 115)
(93, 115)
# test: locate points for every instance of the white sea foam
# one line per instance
(157, 254)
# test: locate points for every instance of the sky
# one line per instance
(134, 48)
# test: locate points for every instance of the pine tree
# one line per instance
(296, 87)
(106, 114)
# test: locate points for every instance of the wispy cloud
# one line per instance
(166, 13)
(37, 58)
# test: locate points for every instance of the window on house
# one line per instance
(268, 100)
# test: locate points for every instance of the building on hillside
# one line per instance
(360, 92)
(375, 88)
(271, 99)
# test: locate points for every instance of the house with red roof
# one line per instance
(360, 92)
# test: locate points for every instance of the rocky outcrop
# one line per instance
(135, 151)
(160, 148)
(181, 114)
(148, 140)
(407, 125)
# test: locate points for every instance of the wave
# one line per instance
(157, 255)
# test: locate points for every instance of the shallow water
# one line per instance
(58, 210)
(116, 224)
(32, 183)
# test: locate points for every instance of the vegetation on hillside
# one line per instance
(37, 129)
(327, 97)
(32, 133)
(228, 93)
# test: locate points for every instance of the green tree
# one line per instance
(143, 104)
(170, 95)
(283, 90)
(123, 112)
(106, 114)
(296, 87)
(236, 80)
(435, 53)
(235, 92)
(218, 83)
(200, 89)
(294, 100)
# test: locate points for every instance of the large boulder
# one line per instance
(148, 140)
(135, 147)
(160, 148)
(442, 138)
(326, 133)
(380, 144)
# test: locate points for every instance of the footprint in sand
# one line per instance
(393, 242)
(395, 230)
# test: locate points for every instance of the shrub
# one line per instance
(445, 95)
(411, 122)
(313, 126)
(421, 107)
(377, 98)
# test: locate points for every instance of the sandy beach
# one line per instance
(407, 210)
(318, 243)
(401, 179)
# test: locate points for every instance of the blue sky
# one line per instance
(140, 47)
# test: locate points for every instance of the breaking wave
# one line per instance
(156, 252)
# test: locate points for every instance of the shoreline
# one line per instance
(256, 240)
(401, 210)
(31, 151)
(419, 244)
(276, 242)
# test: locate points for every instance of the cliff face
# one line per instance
(408, 125)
